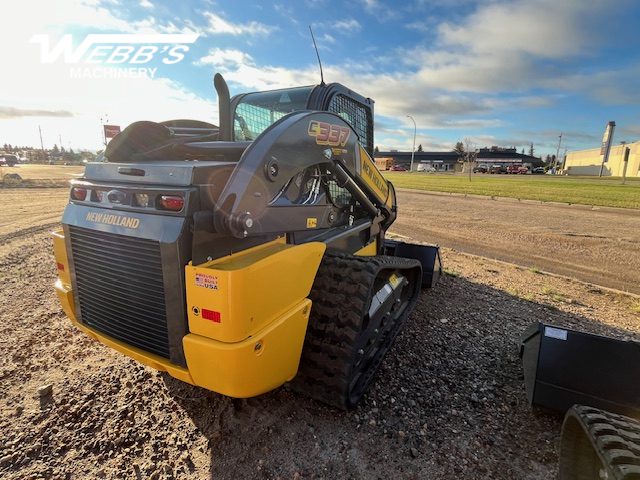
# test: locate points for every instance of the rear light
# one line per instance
(141, 199)
(78, 193)
(60, 266)
(172, 202)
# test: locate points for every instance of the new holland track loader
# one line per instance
(242, 256)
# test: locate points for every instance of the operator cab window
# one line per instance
(257, 111)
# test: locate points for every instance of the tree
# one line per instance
(469, 155)
(376, 150)
(419, 148)
(459, 149)
(55, 149)
(522, 151)
(531, 150)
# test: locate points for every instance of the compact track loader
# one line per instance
(242, 256)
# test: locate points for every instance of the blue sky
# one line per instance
(506, 73)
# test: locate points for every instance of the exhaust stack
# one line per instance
(224, 108)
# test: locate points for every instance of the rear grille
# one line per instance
(120, 288)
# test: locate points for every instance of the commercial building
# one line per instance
(452, 161)
(589, 162)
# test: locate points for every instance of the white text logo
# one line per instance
(116, 48)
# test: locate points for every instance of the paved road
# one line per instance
(595, 245)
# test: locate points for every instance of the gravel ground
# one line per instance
(448, 402)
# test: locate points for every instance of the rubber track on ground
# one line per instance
(588, 432)
(341, 296)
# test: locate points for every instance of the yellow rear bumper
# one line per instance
(265, 358)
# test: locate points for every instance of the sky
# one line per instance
(504, 73)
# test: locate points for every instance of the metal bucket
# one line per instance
(429, 256)
(565, 367)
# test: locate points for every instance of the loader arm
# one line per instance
(306, 172)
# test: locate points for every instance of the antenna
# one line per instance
(318, 55)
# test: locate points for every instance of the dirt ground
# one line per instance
(37, 171)
(594, 244)
(448, 402)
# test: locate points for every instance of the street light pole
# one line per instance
(414, 142)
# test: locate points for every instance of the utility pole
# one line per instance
(104, 134)
(414, 141)
(625, 161)
(44, 155)
(555, 164)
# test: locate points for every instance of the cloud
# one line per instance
(242, 70)
(12, 112)
(628, 133)
(216, 25)
(58, 18)
(123, 101)
(225, 58)
(328, 38)
(344, 27)
(542, 28)
(286, 13)
(379, 10)
(520, 46)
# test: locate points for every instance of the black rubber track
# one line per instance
(343, 347)
(598, 444)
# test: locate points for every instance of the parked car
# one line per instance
(398, 168)
(517, 168)
(8, 159)
(497, 168)
(482, 168)
(538, 171)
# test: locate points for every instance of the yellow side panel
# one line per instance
(234, 297)
(60, 253)
(65, 295)
(63, 284)
(255, 365)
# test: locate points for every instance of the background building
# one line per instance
(589, 162)
(506, 157)
(452, 161)
(440, 161)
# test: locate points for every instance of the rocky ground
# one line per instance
(448, 402)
